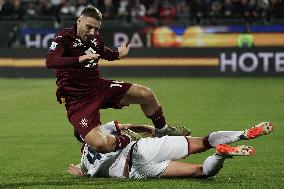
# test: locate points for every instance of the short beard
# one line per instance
(82, 36)
(86, 38)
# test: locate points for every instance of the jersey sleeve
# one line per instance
(107, 53)
(55, 58)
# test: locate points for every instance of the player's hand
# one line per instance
(88, 57)
(123, 50)
(75, 170)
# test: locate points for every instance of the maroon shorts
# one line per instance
(84, 114)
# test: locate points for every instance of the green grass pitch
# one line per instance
(36, 142)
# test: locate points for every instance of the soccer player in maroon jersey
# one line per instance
(74, 54)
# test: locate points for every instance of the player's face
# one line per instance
(87, 27)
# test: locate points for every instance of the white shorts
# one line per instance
(151, 156)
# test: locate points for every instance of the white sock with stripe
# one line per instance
(224, 137)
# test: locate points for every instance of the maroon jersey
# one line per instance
(74, 79)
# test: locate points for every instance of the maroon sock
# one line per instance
(158, 118)
(121, 141)
(206, 142)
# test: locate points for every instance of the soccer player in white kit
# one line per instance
(156, 157)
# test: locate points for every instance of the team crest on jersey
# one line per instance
(84, 122)
(77, 43)
(53, 46)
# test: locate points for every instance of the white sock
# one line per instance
(224, 137)
(162, 129)
(213, 164)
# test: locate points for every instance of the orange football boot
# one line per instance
(225, 149)
(262, 128)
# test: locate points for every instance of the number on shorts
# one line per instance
(116, 84)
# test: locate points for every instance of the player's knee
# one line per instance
(99, 144)
(208, 173)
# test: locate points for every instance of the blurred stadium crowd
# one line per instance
(153, 12)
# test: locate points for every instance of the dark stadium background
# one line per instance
(200, 38)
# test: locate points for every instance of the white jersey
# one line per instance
(150, 156)
(108, 164)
